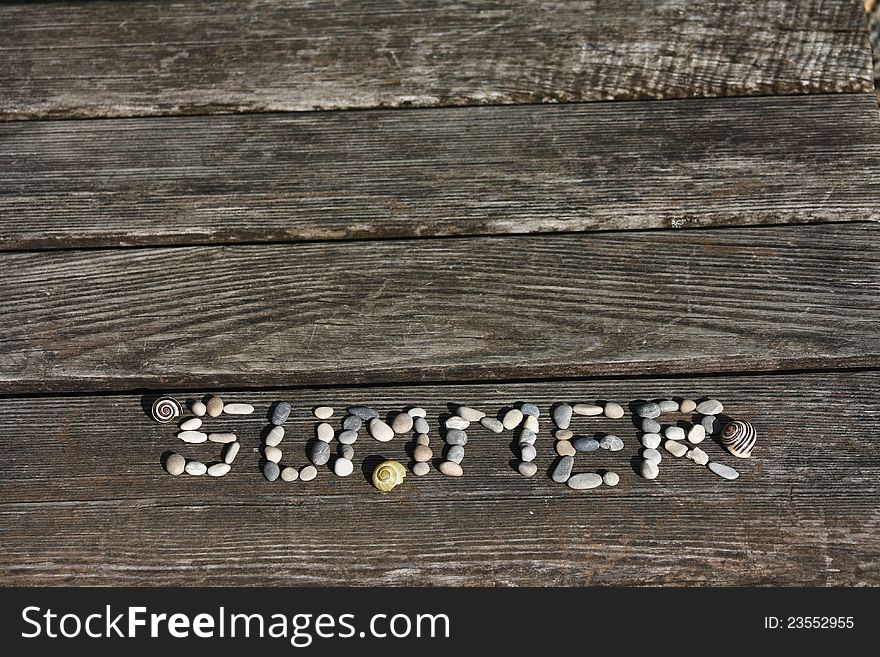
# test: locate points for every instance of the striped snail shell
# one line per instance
(165, 409)
(739, 438)
(387, 475)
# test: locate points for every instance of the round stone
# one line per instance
(668, 406)
(565, 448)
(687, 406)
(289, 474)
(422, 453)
(402, 423)
(275, 436)
(417, 412)
(562, 471)
(325, 432)
(271, 470)
(530, 409)
(280, 413)
(214, 407)
(456, 422)
(528, 452)
(423, 439)
(530, 422)
(273, 453)
(675, 448)
(322, 413)
(710, 407)
(527, 469)
(230, 451)
(455, 453)
(451, 469)
(195, 468)
(238, 409)
(347, 437)
(191, 424)
(527, 436)
(493, 425)
(308, 473)
(696, 434)
(381, 431)
(674, 433)
(724, 471)
(470, 414)
(583, 444)
(647, 410)
(421, 469)
(456, 437)
(512, 418)
(587, 409)
(222, 438)
(352, 423)
(198, 408)
(611, 443)
(363, 412)
(562, 415)
(651, 440)
(649, 470)
(320, 453)
(346, 452)
(650, 426)
(193, 437)
(652, 455)
(584, 481)
(563, 434)
(175, 464)
(610, 478)
(698, 456)
(420, 425)
(218, 469)
(613, 410)
(343, 467)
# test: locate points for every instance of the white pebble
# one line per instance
(325, 432)
(696, 434)
(470, 414)
(456, 422)
(275, 436)
(652, 455)
(587, 409)
(512, 418)
(698, 456)
(198, 408)
(195, 468)
(418, 412)
(651, 440)
(219, 469)
(611, 478)
(323, 413)
(222, 438)
(230, 451)
(613, 411)
(238, 409)
(272, 453)
(675, 448)
(289, 474)
(530, 422)
(308, 473)
(343, 467)
(193, 436)
(674, 433)
(724, 471)
(649, 470)
(191, 424)
(381, 431)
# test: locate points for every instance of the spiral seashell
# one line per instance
(387, 475)
(165, 409)
(739, 438)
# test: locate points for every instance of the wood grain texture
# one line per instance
(439, 172)
(441, 309)
(92, 59)
(85, 499)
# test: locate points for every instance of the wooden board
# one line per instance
(441, 309)
(85, 500)
(439, 172)
(144, 58)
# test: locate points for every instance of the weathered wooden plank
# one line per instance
(85, 500)
(92, 59)
(441, 309)
(439, 172)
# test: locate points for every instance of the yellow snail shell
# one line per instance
(387, 475)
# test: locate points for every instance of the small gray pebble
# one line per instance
(342, 467)
(710, 407)
(611, 443)
(456, 422)
(423, 439)
(528, 452)
(450, 469)
(420, 425)
(527, 468)
(651, 440)
(275, 436)
(421, 469)
(724, 471)
(402, 423)
(652, 455)
(175, 464)
(230, 451)
(687, 406)
(562, 415)
(493, 425)
(320, 453)
(584, 481)
(470, 414)
(352, 423)
(271, 470)
(610, 478)
(363, 412)
(650, 426)
(527, 436)
(668, 406)
(709, 423)
(195, 468)
(583, 444)
(456, 437)
(563, 434)
(416, 411)
(346, 452)
(289, 474)
(530, 409)
(562, 471)
(280, 413)
(347, 437)
(423, 453)
(674, 433)
(455, 453)
(649, 470)
(308, 473)
(648, 410)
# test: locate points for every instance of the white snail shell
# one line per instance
(739, 438)
(165, 409)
